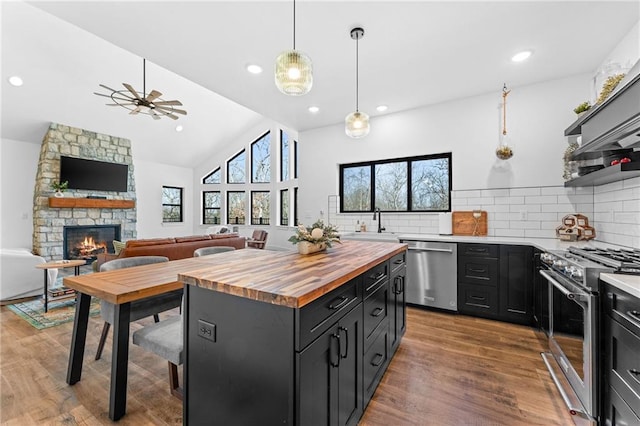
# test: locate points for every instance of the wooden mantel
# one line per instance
(90, 203)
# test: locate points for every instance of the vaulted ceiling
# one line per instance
(413, 53)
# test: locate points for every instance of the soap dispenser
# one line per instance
(358, 226)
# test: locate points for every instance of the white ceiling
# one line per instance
(413, 53)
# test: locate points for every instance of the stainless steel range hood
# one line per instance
(614, 124)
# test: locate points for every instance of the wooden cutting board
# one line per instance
(464, 223)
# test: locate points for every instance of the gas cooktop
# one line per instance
(623, 261)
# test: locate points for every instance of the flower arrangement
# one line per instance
(60, 186)
(607, 88)
(317, 233)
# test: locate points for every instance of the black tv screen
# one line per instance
(95, 175)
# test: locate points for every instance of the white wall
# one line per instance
(19, 161)
(150, 178)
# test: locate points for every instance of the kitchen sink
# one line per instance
(387, 237)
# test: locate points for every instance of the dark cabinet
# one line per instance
(397, 303)
(515, 302)
(496, 281)
(330, 375)
(621, 354)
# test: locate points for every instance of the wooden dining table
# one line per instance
(121, 287)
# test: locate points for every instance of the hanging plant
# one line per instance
(504, 151)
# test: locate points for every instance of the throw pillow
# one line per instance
(118, 246)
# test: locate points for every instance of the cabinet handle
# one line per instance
(634, 317)
(377, 276)
(342, 300)
(377, 360)
(398, 262)
(346, 345)
(377, 312)
(635, 374)
(397, 285)
(477, 250)
(477, 270)
(477, 298)
(331, 351)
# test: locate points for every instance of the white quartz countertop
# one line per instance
(628, 283)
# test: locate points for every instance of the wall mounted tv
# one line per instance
(94, 175)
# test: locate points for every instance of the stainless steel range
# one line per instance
(571, 322)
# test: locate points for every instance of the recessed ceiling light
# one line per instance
(314, 109)
(179, 128)
(382, 108)
(521, 56)
(15, 81)
(254, 69)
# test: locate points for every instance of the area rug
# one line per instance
(59, 312)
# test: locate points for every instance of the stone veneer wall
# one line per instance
(49, 222)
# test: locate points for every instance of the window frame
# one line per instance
(295, 206)
(258, 140)
(244, 218)
(295, 159)
(243, 151)
(216, 170)
(205, 208)
(372, 189)
(285, 171)
(261, 220)
(284, 210)
(180, 205)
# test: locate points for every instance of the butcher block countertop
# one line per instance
(289, 278)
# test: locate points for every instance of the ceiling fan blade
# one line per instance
(159, 103)
(153, 95)
(168, 114)
(124, 103)
(106, 87)
(154, 115)
(131, 89)
(165, 109)
(135, 110)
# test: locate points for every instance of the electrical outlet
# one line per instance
(207, 330)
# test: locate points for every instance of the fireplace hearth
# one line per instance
(87, 242)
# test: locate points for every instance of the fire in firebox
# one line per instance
(88, 248)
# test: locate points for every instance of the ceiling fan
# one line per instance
(150, 104)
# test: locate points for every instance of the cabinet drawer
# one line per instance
(316, 317)
(624, 308)
(375, 360)
(478, 250)
(398, 261)
(375, 310)
(478, 270)
(617, 412)
(624, 363)
(477, 299)
(374, 276)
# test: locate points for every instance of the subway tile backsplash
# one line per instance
(613, 210)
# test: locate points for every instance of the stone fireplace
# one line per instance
(86, 242)
(51, 217)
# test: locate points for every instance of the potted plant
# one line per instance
(314, 238)
(583, 107)
(60, 187)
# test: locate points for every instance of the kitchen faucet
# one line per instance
(380, 228)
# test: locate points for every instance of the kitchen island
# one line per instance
(284, 338)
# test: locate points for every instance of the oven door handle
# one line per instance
(575, 296)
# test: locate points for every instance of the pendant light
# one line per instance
(504, 151)
(294, 70)
(356, 124)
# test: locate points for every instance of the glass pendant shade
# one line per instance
(294, 73)
(356, 125)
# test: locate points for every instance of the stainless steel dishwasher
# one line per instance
(432, 276)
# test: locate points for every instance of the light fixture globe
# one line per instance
(356, 125)
(294, 73)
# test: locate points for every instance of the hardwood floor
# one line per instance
(449, 370)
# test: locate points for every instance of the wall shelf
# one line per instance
(607, 175)
(90, 203)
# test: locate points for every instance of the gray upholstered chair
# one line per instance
(141, 308)
(165, 339)
(203, 251)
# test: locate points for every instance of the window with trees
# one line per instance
(260, 211)
(295, 159)
(211, 208)
(405, 184)
(284, 156)
(171, 204)
(235, 207)
(295, 207)
(236, 168)
(261, 159)
(284, 207)
(213, 177)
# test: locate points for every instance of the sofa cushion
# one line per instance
(192, 238)
(150, 242)
(118, 246)
(220, 236)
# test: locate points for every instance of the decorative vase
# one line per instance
(59, 194)
(305, 247)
